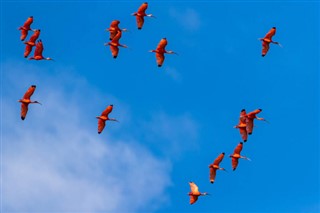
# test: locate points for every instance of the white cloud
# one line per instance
(55, 161)
(187, 18)
(173, 73)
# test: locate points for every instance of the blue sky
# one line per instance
(174, 120)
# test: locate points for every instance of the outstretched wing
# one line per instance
(218, 160)
(162, 44)
(193, 199)
(243, 133)
(24, 110)
(107, 111)
(114, 50)
(212, 174)
(140, 21)
(143, 8)
(101, 125)
(29, 92)
(160, 59)
(234, 163)
(271, 33)
(238, 149)
(193, 187)
(265, 48)
(39, 49)
(249, 127)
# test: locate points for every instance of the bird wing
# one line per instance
(193, 199)
(271, 33)
(24, 110)
(113, 34)
(212, 174)
(29, 92)
(140, 21)
(249, 127)
(27, 50)
(117, 37)
(39, 49)
(238, 149)
(162, 44)
(242, 118)
(34, 36)
(114, 23)
(234, 162)
(253, 113)
(114, 50)
(193, 187)
(101, 125)
(243, 133)
(160, 59)
(143, 8)
(24, 34)
(265, 48)
(28, 22)
(107, 111)
(218, 160)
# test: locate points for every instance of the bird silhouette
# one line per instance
(250, 117)
(104, 117)
(160, 51)
(194, 194)
(114, 28)
(38, 52)
(25, 28)
(236, 155)
(25, 101)
(114, 44)
(140, 14)
(242, 125)
(267, 40)
(214, 166)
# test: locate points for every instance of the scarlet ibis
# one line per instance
(140, 14)
(242, 125)
(25, 101)
(267, 40)
(114, 44)
(194, 194)
(25, 28)
(31, 42)
(38, 52)
(214, 166)
(160, 51)
(236, 155)
(250, 117)
(104, 117)
(114, 28)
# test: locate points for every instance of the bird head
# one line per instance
(49, 59)
(37, 102)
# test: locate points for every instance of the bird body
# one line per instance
(215, 166)
(140, 14)
(38, 52)
(267, 39)
(104, 117)
(25, 28)
(25, 101)
(160, 51)
(236, 155)
(194, 194)
(242, 125)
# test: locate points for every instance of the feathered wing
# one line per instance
(101, 125)
(218, 160)
(249, 127)
(162, 44)
(143, 8)
(160, 58)
(140, 21)
(193, 187)
(238, 149)
(24, 110)
(114, 50)
(243, 133)
(265, 48)
(39, 49)
(107, 111)
(193, 199)
(24, 34)
(212, 174)
(234, 162)
(271, 33)
(27, 50)
(29, 92)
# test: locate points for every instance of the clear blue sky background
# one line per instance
(174, 120)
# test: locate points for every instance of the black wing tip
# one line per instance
(249, 133)
(22, 118)
(243, 110)
(223, 153)
(242, 142)
(139, 28)
(274, 28)
(159, 65)
(260, 109)
(263, 55)
(33, 86)
(99, 132)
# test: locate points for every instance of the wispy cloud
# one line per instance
(187, 18)
(173, 73)
(55, 161)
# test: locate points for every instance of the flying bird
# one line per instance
(25, 28)
(214, 166)
(104, 117)
(114, 44)
(267, 40)
(140, 14)
(25, 101)
(236, 155)
(242, 125)
(32, 42)
(114, 28)
(194, 194)
(249, 120)
(160, 51)
(38, 52)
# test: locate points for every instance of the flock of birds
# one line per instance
(246, 120)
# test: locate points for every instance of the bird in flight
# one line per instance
(38, 52)
(114, 44)
(267, 40)
(32, 42)
(25, 28)
(242, 125)
(114, 28)
(236, 155)
(160, 51)
(104, 117)
(194, 194)
(25, 101)
(249, 120)
(214, 166)
(140, 14)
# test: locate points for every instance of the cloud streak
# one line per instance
(188, 18)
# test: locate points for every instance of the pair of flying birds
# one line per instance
(32, 41)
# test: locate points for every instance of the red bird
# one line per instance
(267, 40)
(25, 28)
(214, 166)
(114, 28)
(242, 125)
(160, 51)
(140, 14)
(114, 44)
(104, 117)
(236, 155)
(25, 101)
(194, 194)
(249, 120)
(38, 52)
(31, 43)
